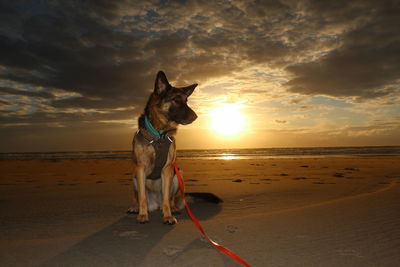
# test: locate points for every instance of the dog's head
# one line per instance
(172, 101)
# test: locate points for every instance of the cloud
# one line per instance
(112, 50)
(13, 91)
(367, 62)
(96, 57)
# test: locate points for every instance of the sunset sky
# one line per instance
(75, 75)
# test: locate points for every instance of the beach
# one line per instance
(283, 211)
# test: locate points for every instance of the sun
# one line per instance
(227, 119)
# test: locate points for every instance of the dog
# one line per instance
(154, 151)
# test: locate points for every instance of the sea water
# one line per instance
(228, 154)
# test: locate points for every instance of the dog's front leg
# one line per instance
(135, 204)
(167, 175)
(143, 215)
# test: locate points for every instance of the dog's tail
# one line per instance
(193, 197)
(207, 197)
(198, 196)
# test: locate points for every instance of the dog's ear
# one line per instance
(188, 90)
(161, 85)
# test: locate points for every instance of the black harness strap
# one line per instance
(161, 149)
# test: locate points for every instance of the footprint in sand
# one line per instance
(172, 250)
(268, 179)
(348, 252)
(231, 228)
(338, 174)
(351, 169)
(130, 234)
(300, 178)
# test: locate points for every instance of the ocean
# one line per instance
(228, 154)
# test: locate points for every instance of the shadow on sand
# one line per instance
(126, 243)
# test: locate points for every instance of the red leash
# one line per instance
(197, 223)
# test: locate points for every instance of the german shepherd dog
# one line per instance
(154, 151)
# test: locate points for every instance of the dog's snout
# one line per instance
(191, 116)
(194, 117)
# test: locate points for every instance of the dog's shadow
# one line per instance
(126, 243)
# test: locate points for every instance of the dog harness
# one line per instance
(161, 143)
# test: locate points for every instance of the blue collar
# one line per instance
(150, 128)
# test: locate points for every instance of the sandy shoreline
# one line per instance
(337, 211)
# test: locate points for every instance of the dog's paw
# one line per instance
(142, 218)
(133, 210)
(171, 220)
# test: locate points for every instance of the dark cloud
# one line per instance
(112, 49)
(68, 50)
(71, 118)
(366, 64)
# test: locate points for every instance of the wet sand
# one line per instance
(334, 211)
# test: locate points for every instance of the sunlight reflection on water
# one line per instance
(226, 156)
